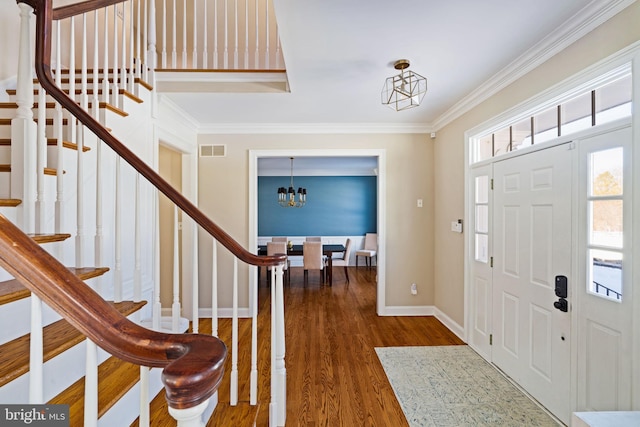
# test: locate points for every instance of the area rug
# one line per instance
(454, 386)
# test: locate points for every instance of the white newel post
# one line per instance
(281, 372)
(191, 417)
(24, 130)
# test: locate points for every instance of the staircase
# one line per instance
(78, 261)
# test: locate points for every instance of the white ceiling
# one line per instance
(339, 52)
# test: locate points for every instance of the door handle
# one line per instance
(561, 293)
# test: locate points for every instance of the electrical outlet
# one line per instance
(419, 203)
(414, 289)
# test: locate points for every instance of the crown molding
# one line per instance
(313, 128)
(589, 18)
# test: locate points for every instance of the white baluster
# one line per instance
(214, 289)
(149, 23)
(114, 71)
(157, 306)
(80, 198)
(138, 40)
(91, 385)
(205, 48)
(41, 159)
(235, 29)
(266, 36)
(117, 291)
(175, 307)
(278, 53)
(123, 58)
(151, 34)
(281, 372)
(105, 65)
(184, 34)
(144, 418)
(95, 100)
(194, 59)
(23, 129)
(137, 275)
(191, 417)
(215, 34)
(233, 401)
(164, 33)
(194, 278)
(273, 405)
(256, 58)
(225, 56)
(57, 125)
(246, 34)
(253, 387)
(132, 35)
(84, 99)
(174, 53)
(36, 378)
(98, 241)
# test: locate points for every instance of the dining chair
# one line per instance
(274, 248)
(344, 259)
(312, 259)
(313, 239)
(370, 249)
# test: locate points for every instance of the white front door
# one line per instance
(604, 285)
(532, 247)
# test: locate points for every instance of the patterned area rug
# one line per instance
(454, 386)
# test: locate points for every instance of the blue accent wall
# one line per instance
(336, 206)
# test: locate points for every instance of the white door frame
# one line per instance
(254, 155)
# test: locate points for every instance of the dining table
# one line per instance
(296, 250)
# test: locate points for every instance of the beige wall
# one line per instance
(619, 32)
(223, 195)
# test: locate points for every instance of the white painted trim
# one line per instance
(450, 324)
(635, 240)
(589, 18)
(409, 310)
(382, 168)
(313, 128)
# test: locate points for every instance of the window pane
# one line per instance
(576, 114)
(606, 223)
(545, 126)
(521, 134)
(502, 142)
(605, 274)
(482, 189)
(606, 172)
(482, 218)
(613, 101)
(482, 248)
(484, 148)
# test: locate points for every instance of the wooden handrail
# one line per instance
(193, 363)
(44, 15)
(82, 7)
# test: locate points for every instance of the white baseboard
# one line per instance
(450, 324)
(414, 310)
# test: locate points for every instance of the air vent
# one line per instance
(213, 151)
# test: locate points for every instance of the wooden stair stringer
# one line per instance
(58, 337)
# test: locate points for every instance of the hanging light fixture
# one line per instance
(406, 90)
(287, 198)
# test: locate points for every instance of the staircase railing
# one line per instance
(116, 76)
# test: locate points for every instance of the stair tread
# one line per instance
(47, 171)
(115, 379)
(12, 290)
(10, 202)
(241, 415)
(50, 237)
(51, 142)
(58, 337)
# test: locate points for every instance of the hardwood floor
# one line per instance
(334, 377)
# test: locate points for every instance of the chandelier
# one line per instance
(404, 91)
(287, 198)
